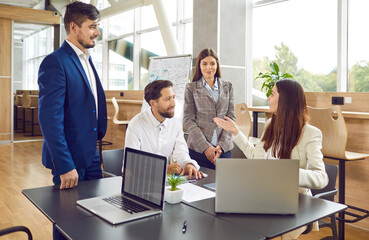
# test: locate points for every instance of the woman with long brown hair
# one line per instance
(287, 135)
(206, 97)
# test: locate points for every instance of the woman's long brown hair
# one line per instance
(203, 54)
(285, 129)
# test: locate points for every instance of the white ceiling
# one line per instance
(37, 4)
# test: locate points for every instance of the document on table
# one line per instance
(193, 193)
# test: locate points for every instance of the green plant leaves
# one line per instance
(174, 181)
(272, 77)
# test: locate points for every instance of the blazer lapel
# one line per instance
(202, 90)
(78, 64)
(222, 94)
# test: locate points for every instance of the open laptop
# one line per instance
(257, 186)
(142, 191)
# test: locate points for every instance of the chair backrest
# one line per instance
(243, 118)
(331, 171)
(16, 99)
(113, 161)
(26, 100)
(116, 110)
(332, 124)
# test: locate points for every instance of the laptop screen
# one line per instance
(144, 175)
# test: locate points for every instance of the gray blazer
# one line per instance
(199, 111)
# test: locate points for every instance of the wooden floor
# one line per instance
(21, 168)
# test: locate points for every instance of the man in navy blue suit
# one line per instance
(72, 105)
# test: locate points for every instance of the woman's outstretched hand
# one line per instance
(227, 124)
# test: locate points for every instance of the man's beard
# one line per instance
(86, 45)
(166, 114)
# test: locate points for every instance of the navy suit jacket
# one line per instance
(67, 112)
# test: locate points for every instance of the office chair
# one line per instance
(333, 126)
(16, 229)
(327, 193)
(113, 161)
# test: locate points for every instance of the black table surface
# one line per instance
(203, 223)
(272, 225)
(77, 223)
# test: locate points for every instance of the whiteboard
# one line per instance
(175, 69)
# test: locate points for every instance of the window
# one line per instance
(36, 47)
(132, 37)
(301, 36)
(121, 24)
(151, 45)
(121, 64)
(358, 48)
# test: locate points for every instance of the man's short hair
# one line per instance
(77, 12)
(153, 89)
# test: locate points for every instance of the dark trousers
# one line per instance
(92, 172)
(202, 159)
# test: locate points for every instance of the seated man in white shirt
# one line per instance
(155, 130)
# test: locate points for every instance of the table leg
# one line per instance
(255, 124)
(341, 197)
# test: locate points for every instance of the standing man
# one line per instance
(72, 105)
(155, 130)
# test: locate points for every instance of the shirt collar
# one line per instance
(78, 51)
(215, 84)
(155, 121)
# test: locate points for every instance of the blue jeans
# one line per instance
(203, 161)
(92, 172)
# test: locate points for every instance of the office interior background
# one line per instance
(322, 43)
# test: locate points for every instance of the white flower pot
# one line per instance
(173, 197)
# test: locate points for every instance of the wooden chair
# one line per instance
(116, 112)
(243, 121)
(16, 107)
(28, 105)
(332, 124)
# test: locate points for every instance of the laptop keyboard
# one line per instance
(125, 204)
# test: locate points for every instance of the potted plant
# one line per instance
(174, 194)
(272, 77)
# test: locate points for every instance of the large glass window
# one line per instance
(36, 46)
(151, 45)
(358, 47)
(301, 37)
(121, 64)
(148, 18)
(121, 24)
(131, 43)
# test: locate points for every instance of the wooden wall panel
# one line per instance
(5, 79)
(360, 101)
(5, 47)
(5, 104)
(29, 15)
(127, 94)
(116, 133)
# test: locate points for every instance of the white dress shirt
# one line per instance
(146, 133)
(83, 58)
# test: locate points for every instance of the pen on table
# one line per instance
(184, 228)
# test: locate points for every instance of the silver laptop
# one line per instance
(142, 191)
(257, 186)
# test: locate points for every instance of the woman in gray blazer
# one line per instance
(287, 135)
(206, 97)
